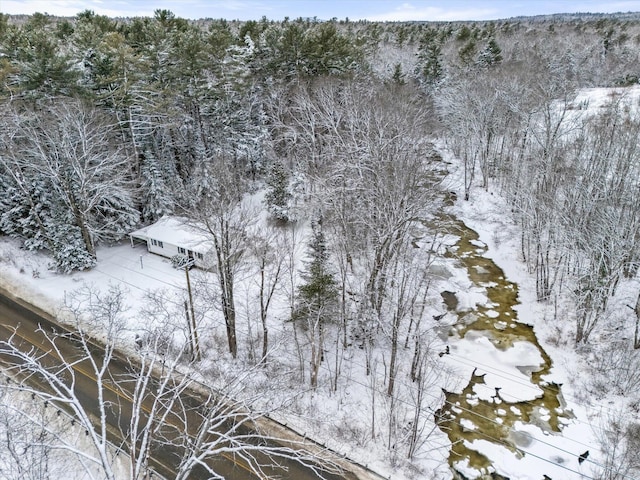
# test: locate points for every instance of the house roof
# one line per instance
(176, 231)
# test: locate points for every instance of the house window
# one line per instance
(157, 243)
(199, 255)
(182, 251)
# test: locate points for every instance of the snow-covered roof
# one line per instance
(176, 231)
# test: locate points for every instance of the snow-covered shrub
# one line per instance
(619, 440)
(69, 250)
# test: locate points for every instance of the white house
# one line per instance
(171, 236)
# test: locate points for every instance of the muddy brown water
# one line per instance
(465, 417)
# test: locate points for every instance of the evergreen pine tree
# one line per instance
(398, 77)
(430, 57)
(317, 296)
(42, 68)
(69, 250)
(157, 200)
(466, 53)
(278, 196)
(11, 209)
(491, 55)
(25, 208)
(317, 302)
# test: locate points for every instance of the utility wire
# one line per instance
(460, 360)
(500, 441)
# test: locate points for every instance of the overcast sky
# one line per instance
(377, 10)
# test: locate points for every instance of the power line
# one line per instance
(575, 400)
(501, 373)
(402, 382)
(472, 364)
(355, 363)
(497, 440)
(491, 420)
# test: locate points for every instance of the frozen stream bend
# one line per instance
(507, 388)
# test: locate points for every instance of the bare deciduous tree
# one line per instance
(217, 208)
(619, 440)
(268, 250)
(147, 399)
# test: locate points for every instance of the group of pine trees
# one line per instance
(140, 105)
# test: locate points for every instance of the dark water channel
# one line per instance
(466, 417)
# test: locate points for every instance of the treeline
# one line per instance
(139, 106)
(108, 124)
(165, 94)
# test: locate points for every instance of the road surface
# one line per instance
(24, 320)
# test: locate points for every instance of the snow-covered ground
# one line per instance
(541, 452)
(545, 453)
(552, 454)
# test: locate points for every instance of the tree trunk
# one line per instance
(263, 318)
(636, 333)
(394, 353)
(225, 277)
(195, 343)
(316, 341)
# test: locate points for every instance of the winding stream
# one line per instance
(474, 413)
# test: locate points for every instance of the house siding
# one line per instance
(158, 243)
(167, 250)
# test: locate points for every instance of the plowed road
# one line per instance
(25, 320)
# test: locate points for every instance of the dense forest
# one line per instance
(108, 124)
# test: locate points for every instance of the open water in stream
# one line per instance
(473, 414)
